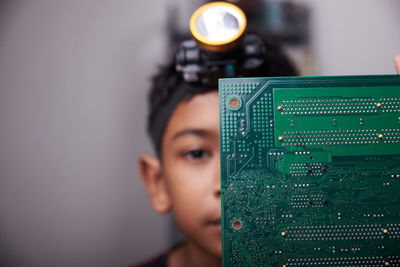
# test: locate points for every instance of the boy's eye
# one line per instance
(196, 154)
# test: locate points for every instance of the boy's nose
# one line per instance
(217, 177)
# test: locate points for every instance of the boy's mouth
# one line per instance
(215, 223)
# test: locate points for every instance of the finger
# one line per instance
(397, 63)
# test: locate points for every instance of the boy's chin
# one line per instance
(213, 246)
(216, 248)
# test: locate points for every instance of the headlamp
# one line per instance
(219, 48)
(218, 26)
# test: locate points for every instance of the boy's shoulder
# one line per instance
(157, 261)
(161, 260)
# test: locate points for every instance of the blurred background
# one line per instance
(73, 82)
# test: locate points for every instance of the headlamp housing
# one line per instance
(219, 48)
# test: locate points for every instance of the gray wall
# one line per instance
(354, 37)
(73, 82)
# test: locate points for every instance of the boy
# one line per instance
(185, 176)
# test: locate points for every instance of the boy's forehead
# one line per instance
(199, 112)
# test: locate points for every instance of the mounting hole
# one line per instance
(234, 102)
(237, 224)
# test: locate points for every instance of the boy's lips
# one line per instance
(214, 222)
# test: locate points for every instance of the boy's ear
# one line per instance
(154, 181)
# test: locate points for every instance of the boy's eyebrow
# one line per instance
(198, 132)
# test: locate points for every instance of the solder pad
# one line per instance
(310, 171)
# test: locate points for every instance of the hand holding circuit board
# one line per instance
(397, 63)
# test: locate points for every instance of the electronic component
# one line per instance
(310, 171)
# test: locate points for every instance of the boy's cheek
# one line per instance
(184, 191)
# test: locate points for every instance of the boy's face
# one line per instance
(189, 179)
(190, 154)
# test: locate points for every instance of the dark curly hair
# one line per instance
(166, 81)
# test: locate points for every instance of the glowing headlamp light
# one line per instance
(220, 47)
(218, 26)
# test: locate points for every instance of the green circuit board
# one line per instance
(310, 171)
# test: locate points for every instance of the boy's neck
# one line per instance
(190, 254)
